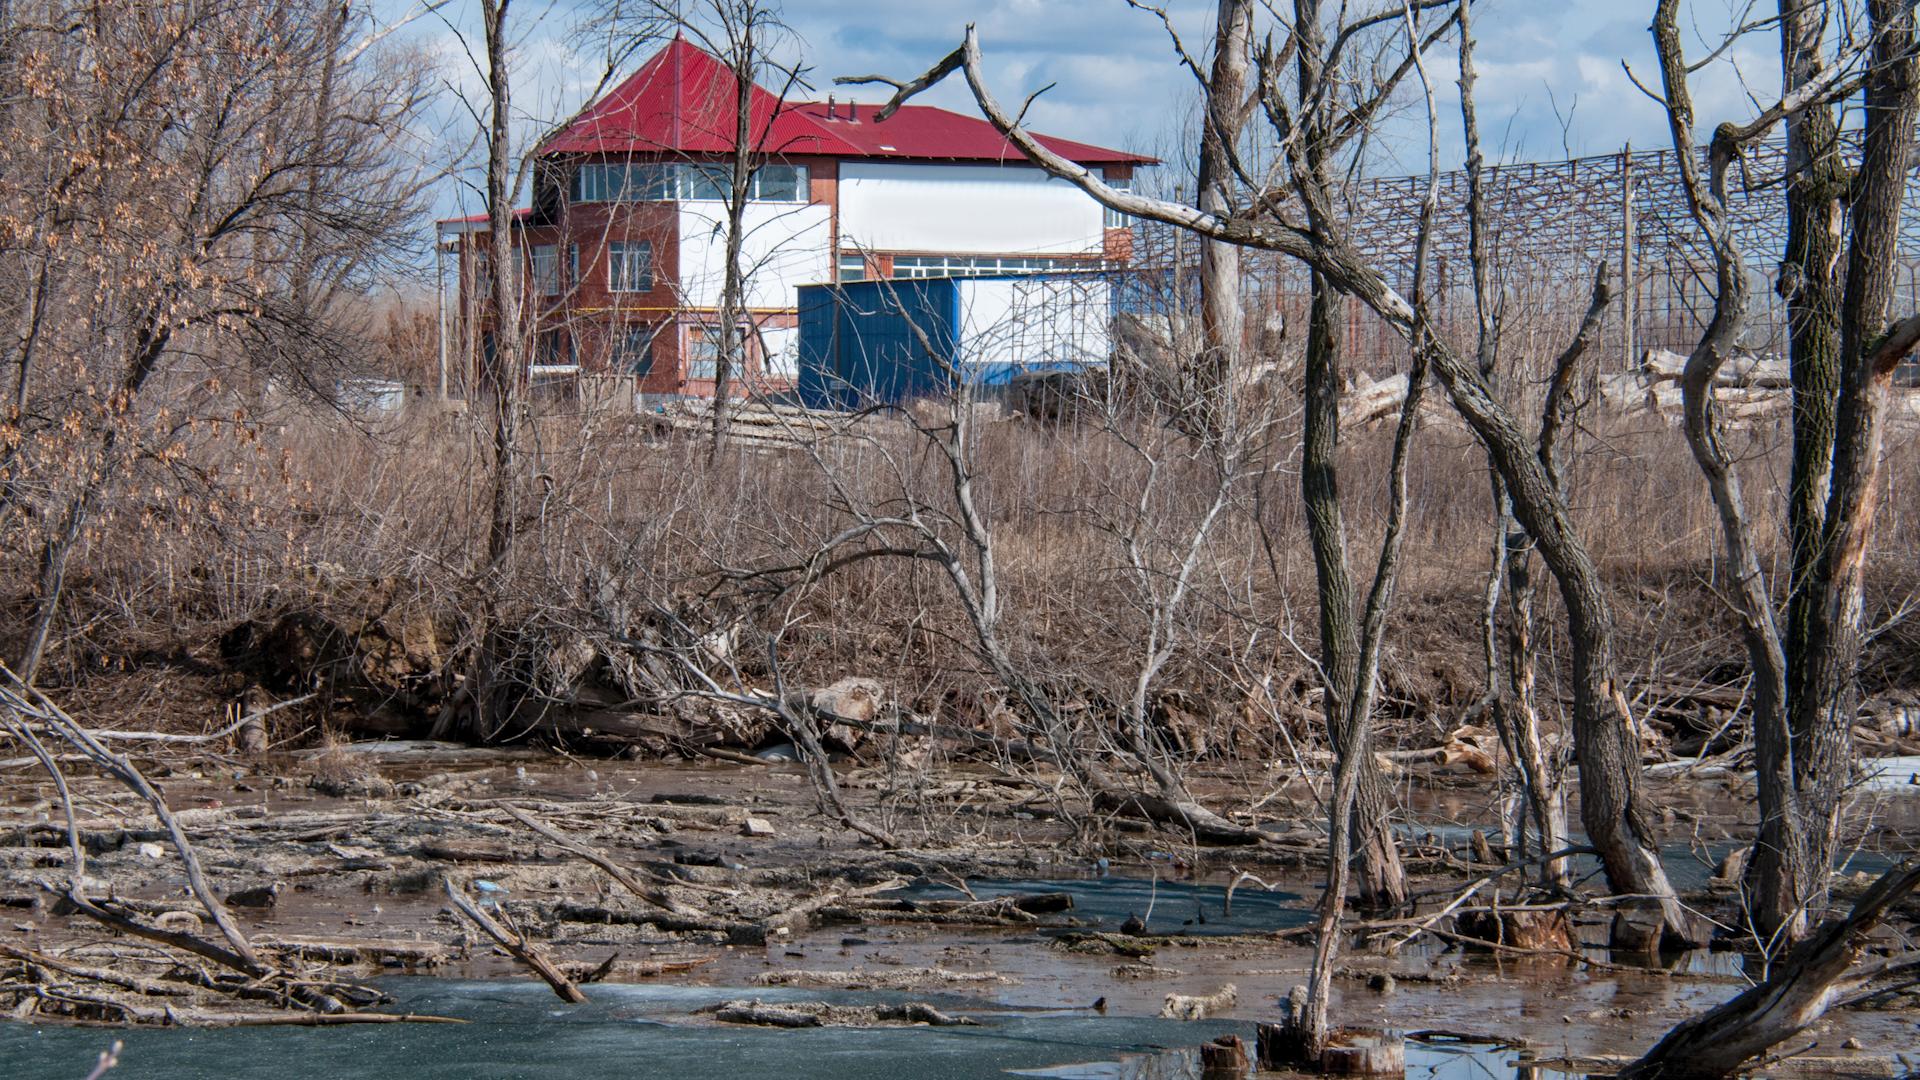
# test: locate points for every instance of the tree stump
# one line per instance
(1365, 1052)
(1225, 1058)
(1482, 850)
(1283, 1046)
(1637, 928)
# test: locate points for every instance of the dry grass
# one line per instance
(374, 536)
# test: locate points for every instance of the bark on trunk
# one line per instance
(730, 358)
(1222, 317)
(500, 382)
(1382, 880)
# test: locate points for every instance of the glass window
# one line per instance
(546, 269)
(603, 181)
(629, 266)
(703, 351)
(853, 268)
(928, 266)
(633, 349)
(704, 182)
(1114, 218)
(618, 182)
(590, 183)
(556, 350)
(781, 183)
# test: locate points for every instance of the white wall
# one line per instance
(782, 359)
(784, 246)
(986, 209)
(1034, 321)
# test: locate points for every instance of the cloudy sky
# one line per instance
(1551, 75)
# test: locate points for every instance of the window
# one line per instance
(605, 181)
(928, 266)
(853, 268)
(546, 269)
(633, 349)
(703, 351)
(780, 183)
(629, 266)
(1114, 218)
(705, 181)
(620, 182)
(556, 351)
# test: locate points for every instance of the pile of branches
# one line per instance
(172, 973)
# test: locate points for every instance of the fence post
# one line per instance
(1628, 289)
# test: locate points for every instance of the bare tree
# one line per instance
(1607, 752)
(264, 159)
(500, 376)
(1804, 673)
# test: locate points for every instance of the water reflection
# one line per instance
(1438, 1059)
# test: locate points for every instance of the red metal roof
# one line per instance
(682, 101)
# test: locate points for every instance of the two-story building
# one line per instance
(624, 244)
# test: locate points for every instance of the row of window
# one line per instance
(854, 267)
(660, 182)
(629, 267)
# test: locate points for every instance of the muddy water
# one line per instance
(1038, 1018)
(1107, 901)
(518, 1031)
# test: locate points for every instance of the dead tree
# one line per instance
(1229, 104)
(500, 375)
(1349, 719)
(1509, 698)
(1607, 752)
(1804, 672)
(269, 162)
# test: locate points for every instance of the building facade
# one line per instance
(623, 250)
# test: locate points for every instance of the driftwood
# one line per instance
(1199, 1006)
(800, 916)
(799, 1014)
(1801, 989)
(892, 979)
(658, 897)
(517, 944)
(1741, 369)
(30, 705)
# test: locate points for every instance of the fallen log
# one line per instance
(1199, 1006)
(659, 898)
(517, 944)
(799, 1014)
(1800, 990)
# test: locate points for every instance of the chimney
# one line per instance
(851, 106)
(829, 106)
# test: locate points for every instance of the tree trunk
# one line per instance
(730, 351)
(500, 383)
(1825, 693)
(1222, 317)
(1382, 880)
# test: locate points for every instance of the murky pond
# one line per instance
(1163, 907)
(517, 1031)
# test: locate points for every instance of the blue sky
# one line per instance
(1551, 78)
